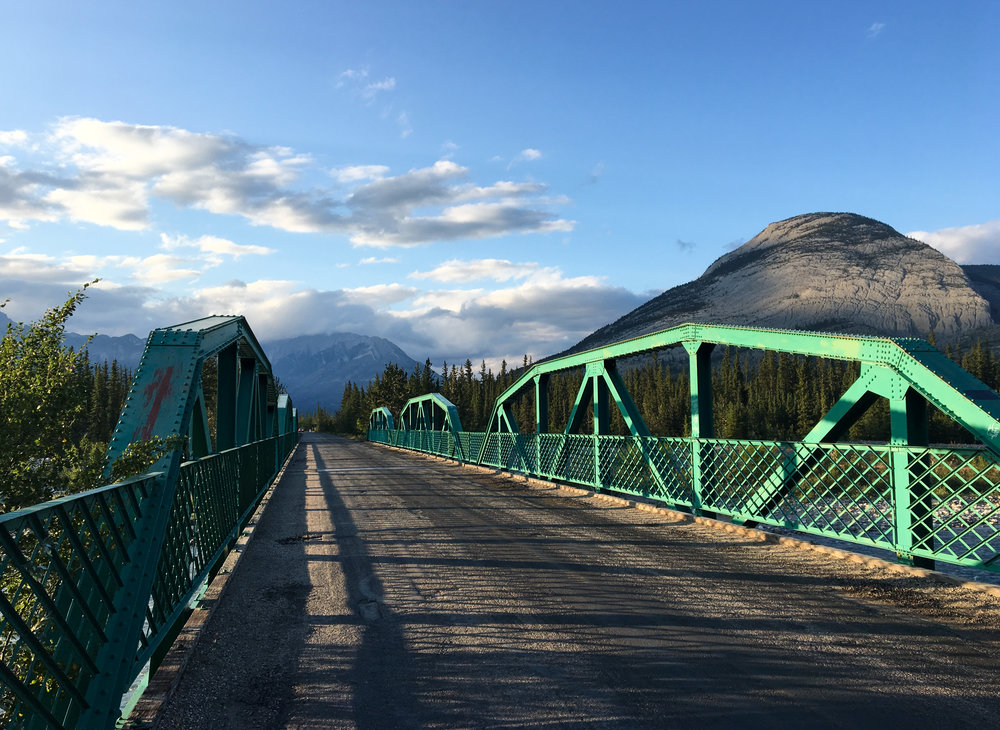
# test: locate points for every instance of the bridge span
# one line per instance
(389, 587)
(383, 588)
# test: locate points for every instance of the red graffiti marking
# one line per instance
(154, 395)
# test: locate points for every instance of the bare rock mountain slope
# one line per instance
(833, 272)
(315, 368)
(985, 279)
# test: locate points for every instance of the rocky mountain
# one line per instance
(315, 368)
(833, 272)
(126, 349)
(985, 279)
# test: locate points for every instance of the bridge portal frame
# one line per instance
(167, 399)
(381, 420)
(432, 417)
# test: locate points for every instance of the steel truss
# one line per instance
(96, 585)
(924, 503)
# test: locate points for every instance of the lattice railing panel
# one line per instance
(950, 501)
(61, 567)
(671, 458)
(956, 505)
(838, 490)
(63, 562)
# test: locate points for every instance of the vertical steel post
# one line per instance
(225, 408)
(702, 418)
(908, 427)
(602, 414)
(200, 436)
(263, 429)
(541, 416)
(245, 400)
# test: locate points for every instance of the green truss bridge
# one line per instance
(96, 586)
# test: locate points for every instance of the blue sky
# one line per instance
(469, 179)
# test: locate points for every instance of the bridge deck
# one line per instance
(383, 589)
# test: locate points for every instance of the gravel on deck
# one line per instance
(383, 589)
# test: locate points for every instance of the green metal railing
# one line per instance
(924, 503)
(947, 507)
(66, 565)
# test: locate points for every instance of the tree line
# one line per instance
(58, 411)
(756, 395)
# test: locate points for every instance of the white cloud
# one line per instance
(105, 200)
(384, 209)
(137, 150)
(14, 137)
(128, 163)
(503, 189)
(213, 245)
(19, 264)
(373, 89)
(526, 155)
(450, 300)
(159, 269)
(380, 294)
(89, 262)
(875, 30)
(356, 81)
(466, 271)
(356, 173)
(972, 244)
(351, 74)
(543, 313)
(111, 172)
(377, 260)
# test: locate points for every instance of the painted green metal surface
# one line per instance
(431, 412)
(381, 419)
(924, 503)
(95, 585)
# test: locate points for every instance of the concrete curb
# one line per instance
(747, 532)
(163, 684)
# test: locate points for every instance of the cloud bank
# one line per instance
(128, 177)
(974, 244)
(111, 173)
(538, 312)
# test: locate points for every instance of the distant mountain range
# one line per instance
(314, 368)
(127, 349)
(833, 272)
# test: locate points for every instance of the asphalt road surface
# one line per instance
(384, 589)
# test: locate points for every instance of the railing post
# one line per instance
(541, 416)
(125, 625)
(602, 414)
(702, 417)
(912, 511)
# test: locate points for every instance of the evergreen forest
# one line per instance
(757, 395)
